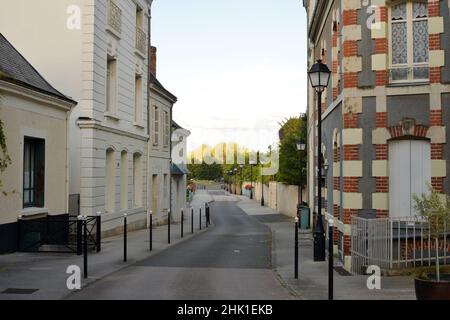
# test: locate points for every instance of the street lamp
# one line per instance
(242, 178)
(319, 76)
(235, 170)
(252, 163)
(301, 146)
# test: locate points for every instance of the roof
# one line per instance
(16, 69)
(158, 84)
(176, 170)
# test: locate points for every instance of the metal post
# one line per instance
(182, 220)
(296, 249)
(200, 219)
(124, 237)
(19, 232)
(168, 226)
(192, 220)
(151, 231)
(319, 232)
(98, 234)
(85, 248)
(330, 259)
(206, 214)
(251, 181)
(80, 235)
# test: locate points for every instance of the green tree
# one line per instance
(292, 162)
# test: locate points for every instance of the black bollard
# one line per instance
(80, 235)
(125, 237)
(151, 231)
(98, 235)
(296, 249)
(330, 259)
(192, 220)
(168, 226)
(200, 218)
(206, 214)
(85, 249)
(182, 222)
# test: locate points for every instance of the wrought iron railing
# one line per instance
(141, 40)
(114, 17)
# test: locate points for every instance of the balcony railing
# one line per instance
(114, 17)
(141, 41)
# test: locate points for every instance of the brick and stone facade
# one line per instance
(366, 109)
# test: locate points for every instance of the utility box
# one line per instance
(304, 217)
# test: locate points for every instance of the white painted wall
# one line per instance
(74, 61)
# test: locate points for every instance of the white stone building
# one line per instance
(96, 52)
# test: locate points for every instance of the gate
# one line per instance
(60, 234)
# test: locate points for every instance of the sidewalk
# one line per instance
(312, 282)
(46, 272)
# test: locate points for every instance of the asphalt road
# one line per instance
(232, 260)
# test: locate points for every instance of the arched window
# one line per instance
(409, 41)
(110, 181)
(137, 180)
(124, 180)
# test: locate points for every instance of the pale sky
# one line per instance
(238, 67)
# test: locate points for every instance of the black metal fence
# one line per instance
(59, 234)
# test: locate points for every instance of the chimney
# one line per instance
(153, 60)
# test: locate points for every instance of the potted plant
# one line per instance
(434, 208)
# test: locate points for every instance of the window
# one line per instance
(111, 85)
(110, 182)
(155, 125)
(137, 180)
(33, 172)
(166, 129)
(409, 173)
(124, 180)
(409, 41)
(138, 100)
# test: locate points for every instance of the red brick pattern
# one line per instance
(350, 17)
(382, 213)
(438, 184)
(434, 41)
(419, 131)
(348, 213)
(336, 183)
(347, 245)
(350, 120)
(381, 119)
(381, 77)
(381, 45)
(381, 151)
(435, 74)
(435, 118)
(351, 184)
(351, 152)
(437, 151)
(381, 184)
(350, 80)
(433, 9)
(350, 48)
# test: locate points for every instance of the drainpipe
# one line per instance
(148, 102)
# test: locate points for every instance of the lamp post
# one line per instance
(262, 187)
(252, 163)
(242, 177)
(319, 76)
(301, 146)
(235, 170)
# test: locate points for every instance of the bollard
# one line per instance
(80, 235)
(200, 218)
(330, 259)
(125, 237)
(182, 220)
(192, 220)
(151, 231)
(83, 222)
(296, 249)
(206, 214)
(19, 235)
(98, 235)
(168, 226)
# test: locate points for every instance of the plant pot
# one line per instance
(430, 289)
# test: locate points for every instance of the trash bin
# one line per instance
(304, 217)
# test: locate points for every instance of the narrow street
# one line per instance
(232, 260)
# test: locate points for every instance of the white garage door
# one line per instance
(409, 173)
